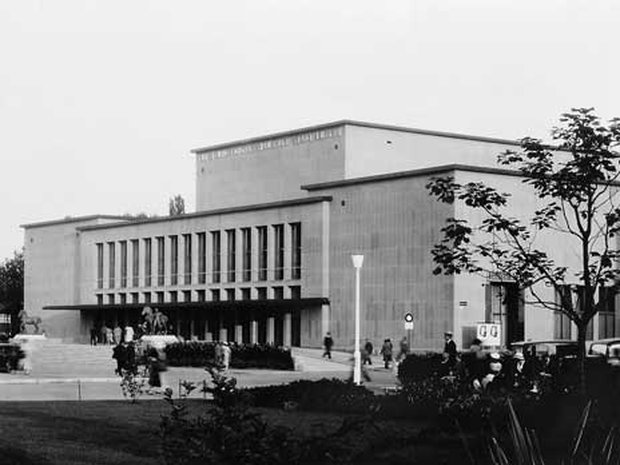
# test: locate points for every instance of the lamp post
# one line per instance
(358, 261)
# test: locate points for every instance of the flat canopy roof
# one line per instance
(274, 304)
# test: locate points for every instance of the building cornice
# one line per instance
(206, 213)
(73, 219)
(364, 124)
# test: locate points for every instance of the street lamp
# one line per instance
(358, 261)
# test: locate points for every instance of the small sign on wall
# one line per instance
(490, 334)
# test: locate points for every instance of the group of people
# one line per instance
(111, 336)
(387, 350)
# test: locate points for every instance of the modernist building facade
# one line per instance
(266, 255)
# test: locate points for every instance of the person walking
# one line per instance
(93, 336)
(450, 347)
(328, 343)
(387, 352)
(368, 348)
(226, 355)
(404, 349)
(128, 333)
(118, 335)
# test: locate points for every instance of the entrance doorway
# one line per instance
(505, 307)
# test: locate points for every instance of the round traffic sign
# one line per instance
(408, 317)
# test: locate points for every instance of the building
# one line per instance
(266, 255)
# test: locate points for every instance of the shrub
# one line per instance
(200, 354)
(10, 355)
(418, 367)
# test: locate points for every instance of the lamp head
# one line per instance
(358, 260)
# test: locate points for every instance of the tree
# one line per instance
(176, 206)
(12, 288)
(576, 191)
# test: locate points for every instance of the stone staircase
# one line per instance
(53, 359)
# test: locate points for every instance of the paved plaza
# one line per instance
(82, 372)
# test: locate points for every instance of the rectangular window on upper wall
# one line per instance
(216, 258)
(295, 250)
(200, 295)
(100, 265)
(148, 250)
(263, 252)
(174, 297)
(231, 264)
(99, 299)
(174, 260)
(607, 312)
(135, 265)
(111, 264)
(202, 258)
(215, 295)
(246, 246)
(187, 254)
(161, 261)
(278, 293)
(160, 297)
(147, 297)
(295, 292)
(278, 231)
(135, 297)
(230, 294)
(123, 298)
(123, 263)
(111, 299)
(187, 296)
(245, 293)
(261, 293)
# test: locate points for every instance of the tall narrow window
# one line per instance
(263, 251)
(295, 250)
(135, 262)
(100, 265)
(202, 258)
(187, 254)
(161, 261)
(123, 263)
(607, 312)
(174, 260)
(148, 251)
(278, 231)
(216, 265)
(246, 245)
(111, 264)
(231, 255)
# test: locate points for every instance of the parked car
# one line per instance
(607, 348)
(560, 347)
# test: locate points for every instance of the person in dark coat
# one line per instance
(367, 353)
(387, 351)
(404, 349)
(328, 343)
(450, 347)
(119, 353)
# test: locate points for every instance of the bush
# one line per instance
(418, 367)
(10, 355)
(200, 354)
(327, 395)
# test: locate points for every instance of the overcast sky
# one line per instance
(101, 101)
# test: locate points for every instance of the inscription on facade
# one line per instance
(268, 144)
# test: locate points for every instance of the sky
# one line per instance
(101, 101)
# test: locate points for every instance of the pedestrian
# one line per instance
(226, 355)
(404, 349)
(387, 351)
(109, 333)
(154, 368)
(119, 353)
(368, 349)
(218, 354)
(450, 347)
(118, 334)
(128, 333)
(328, 343)
(93, 336)
(103, 334)
(26, 362)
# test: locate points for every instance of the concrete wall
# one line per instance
(52, 275)
(371, 151)
(258, 173)
(393, 224)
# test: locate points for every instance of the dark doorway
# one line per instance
(296, 328)
(505, 307)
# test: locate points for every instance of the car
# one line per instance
(607, 348)
(560, 347)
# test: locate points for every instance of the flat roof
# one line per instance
(74, 219)
(410, 174)
(273, 304)
(219, 211)
(348, 122)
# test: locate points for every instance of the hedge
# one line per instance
(419, 367)
(10, 355)
(200, 354)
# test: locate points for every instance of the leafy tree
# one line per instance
(12, 288)
(176, 206)
(575, 187)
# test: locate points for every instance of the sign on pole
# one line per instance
(408, 321)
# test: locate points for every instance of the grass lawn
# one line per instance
(118, 432)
